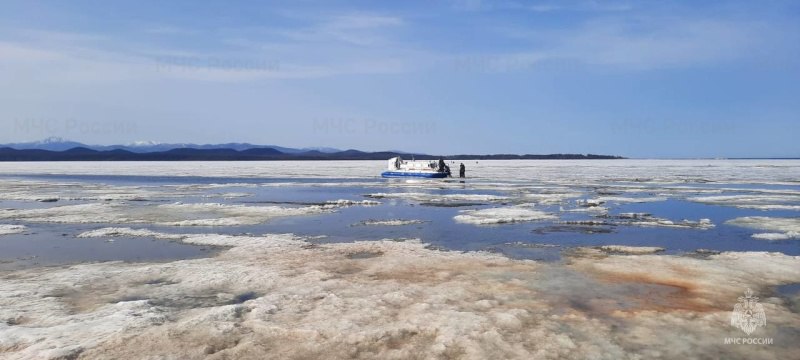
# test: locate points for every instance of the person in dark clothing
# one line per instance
(462, 171)
(447, 171)
(441, 165)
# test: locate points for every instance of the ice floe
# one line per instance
(647, 220)
(589, 202)
(550, 198)
(230, 195)
(43, 191)
(429, 197)
(623, 199)
(11, 229)
(175, 214)
(777, 236)
(502, 215)
(128, 232)
(781, 228)
(346, 202)
(390, 222)
(760, 202)
(593, 210)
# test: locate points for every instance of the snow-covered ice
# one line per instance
(11, 229)
(780, 228)
(502, 215)
(175, 214)
(274, 296)
(760, 202)
(391, 222)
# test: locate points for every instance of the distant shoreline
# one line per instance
(8, 154)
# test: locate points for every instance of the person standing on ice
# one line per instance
(462, 171)
(441, 165)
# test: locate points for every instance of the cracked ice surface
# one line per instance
(554, 171)
(32, 190)
(279, 296)
(176, 214)
(275, 296)
(760, 202)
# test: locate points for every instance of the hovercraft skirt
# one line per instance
(429, 175)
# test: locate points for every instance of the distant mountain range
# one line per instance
(60, 144)
(56, 149)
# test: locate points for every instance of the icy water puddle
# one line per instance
(44, 246)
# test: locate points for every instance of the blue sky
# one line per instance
(633, 78)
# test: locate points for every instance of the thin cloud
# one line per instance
(577, 6)
(169, 30)
(643, 43)
(543, 6)
(355, 28)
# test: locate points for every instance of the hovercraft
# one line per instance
(397, 167)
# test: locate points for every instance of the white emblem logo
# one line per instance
(748, 314)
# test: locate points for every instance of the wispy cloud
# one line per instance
(579, 6)
(325, 45)
(354, 28)
(543, 6)
(656, 43)
(169, 30)
(74, 57)
(648, 42)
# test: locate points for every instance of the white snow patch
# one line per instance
(11, 229)
(175, 214)
(392, 222)
(550, 198)
(44, 191)
(230, 215)
(595, 210)
(74, 214)
(759, 202)
(127, 232)
(502, 215)
(777, 236)
(782, 228)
